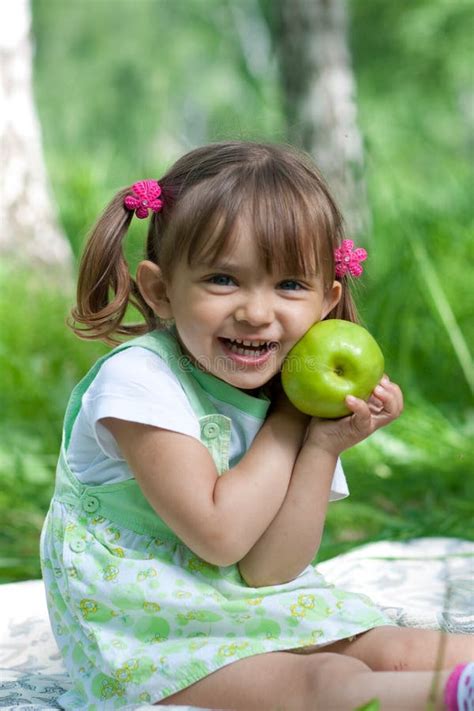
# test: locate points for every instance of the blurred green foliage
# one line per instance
(136, 84)
(123, 88)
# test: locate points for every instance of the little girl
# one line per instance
(191, 496)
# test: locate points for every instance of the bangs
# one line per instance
(293, 228)
(289, 214)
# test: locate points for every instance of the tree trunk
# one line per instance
(29, 231)
(319, 93)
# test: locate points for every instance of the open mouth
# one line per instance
(249, 348)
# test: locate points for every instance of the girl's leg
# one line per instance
(407, 649)
(281, 681)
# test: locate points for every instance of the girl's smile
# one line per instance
(236, 320)
(248, 352)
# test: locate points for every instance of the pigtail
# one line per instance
(105, 286)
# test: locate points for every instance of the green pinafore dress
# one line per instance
(136, 614)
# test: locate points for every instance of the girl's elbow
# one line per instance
(252, 578)
(258, 577)
(221, 560)
(228, 553)
(256, 581)
(220, 550)
(250, 581)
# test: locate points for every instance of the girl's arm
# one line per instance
(292, 540)
(218, 517)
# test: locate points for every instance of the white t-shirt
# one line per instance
(138, 386)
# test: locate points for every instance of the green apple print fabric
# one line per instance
(136, 614)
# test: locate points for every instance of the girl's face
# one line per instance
(236, 320)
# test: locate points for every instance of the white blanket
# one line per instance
(426, 582)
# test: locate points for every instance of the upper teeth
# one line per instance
(248, 343)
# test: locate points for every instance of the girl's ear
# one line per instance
(153, 289)
(331, 298)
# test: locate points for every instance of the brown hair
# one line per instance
(208, 192)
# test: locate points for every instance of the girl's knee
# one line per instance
(327, 668)
(340, 663)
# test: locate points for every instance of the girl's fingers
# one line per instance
(383, 406)
(361, 420)
(355, 404)
(375, 404)
(390, 395)
(397, 402)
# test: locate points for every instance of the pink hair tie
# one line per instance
(347, 259)
(146, 194)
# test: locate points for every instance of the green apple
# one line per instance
(334, 359)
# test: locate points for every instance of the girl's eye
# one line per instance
(221, 280)
(290, 285)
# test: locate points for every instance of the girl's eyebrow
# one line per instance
(222, 266)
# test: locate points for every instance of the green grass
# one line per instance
(40, 361)
(413, 479)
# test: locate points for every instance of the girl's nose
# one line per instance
(255, 309)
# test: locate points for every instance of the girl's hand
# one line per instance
(384, 405)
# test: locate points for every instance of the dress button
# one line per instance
(90, 504)
(210, 430)
(77, 545)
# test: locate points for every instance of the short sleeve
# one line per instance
(339, 488)
(138, 386)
